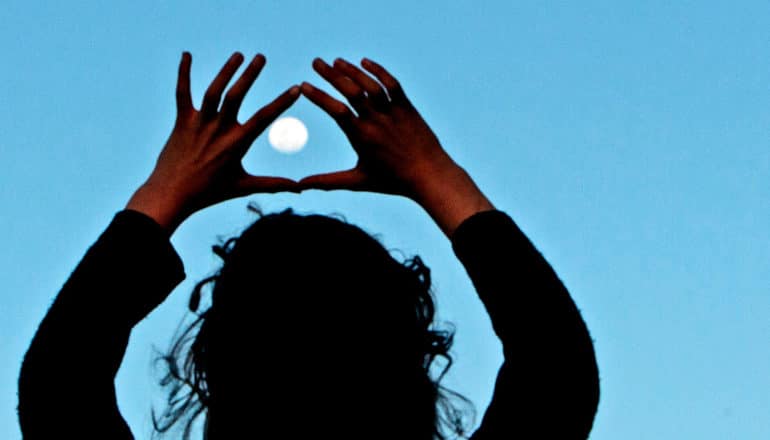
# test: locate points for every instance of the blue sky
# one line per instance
(629, 140)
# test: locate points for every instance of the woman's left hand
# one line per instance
(200, 165)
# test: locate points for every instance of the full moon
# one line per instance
(287, 135)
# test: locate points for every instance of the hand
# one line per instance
(397, 150)
(200, 165)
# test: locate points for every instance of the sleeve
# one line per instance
(548, 385)
(66, 384)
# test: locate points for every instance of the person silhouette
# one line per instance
(341, 342)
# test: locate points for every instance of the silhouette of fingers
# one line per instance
(214, 93)
(265, 116)
(393, 87)
(183, 96)
(352, 179)
(374, 91)
(336, 109)
(234, 97)
(349, 89)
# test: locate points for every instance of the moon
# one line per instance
(287, 135)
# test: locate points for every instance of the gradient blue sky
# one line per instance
(629, 140)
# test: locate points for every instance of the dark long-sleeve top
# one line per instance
(547, 387)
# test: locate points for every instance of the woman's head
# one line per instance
(313, 327)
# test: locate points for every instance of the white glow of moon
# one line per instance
(287, 135)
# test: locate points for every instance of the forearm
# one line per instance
(70, 366)
(160, 204)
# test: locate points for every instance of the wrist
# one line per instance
(159, 204)
(450, 197)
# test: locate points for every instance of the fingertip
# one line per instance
(259, 59)
(308, 183)
(289, 185)
(306, 87)
(294, 91)
(237, 57)
(319, 63)
(186, 60)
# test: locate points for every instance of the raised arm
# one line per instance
(66, 385)
(548, 384)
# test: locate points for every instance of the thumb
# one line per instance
(352, 180)
(249, 184)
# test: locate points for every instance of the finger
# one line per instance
(262, 184)
(352, 179)
(214, 92)
(391, 84)
(374, 91)
(266, 115)
(349, 89)
(336, 109)
(183, 97)
(234, 97)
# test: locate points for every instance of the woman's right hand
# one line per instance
(397, 151)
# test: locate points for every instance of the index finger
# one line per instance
(336, 109)
(266, 115)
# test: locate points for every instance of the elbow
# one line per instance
(27, 394)
(583, 388)
(590, 395)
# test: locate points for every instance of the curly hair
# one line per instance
(334, 313)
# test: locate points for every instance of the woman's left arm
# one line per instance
(66, 384)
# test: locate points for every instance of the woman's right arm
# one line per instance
(548, 385)
(66, 382)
